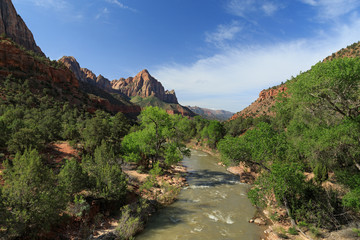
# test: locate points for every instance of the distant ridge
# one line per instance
(143, 89)
(220, 115)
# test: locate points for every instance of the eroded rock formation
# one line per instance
(12, 25)
(144, 85)
(262, 105)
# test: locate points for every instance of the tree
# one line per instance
(160, 137)
(331, 86)
(23, 139)
(30, 195)
(72, 177)
(105, 173)
(96, 130)
(120, 126)
(259, 146)
(213, 133)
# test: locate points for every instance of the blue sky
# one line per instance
(215, 53)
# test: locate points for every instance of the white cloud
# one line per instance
(245, 8)
(244, 71)
(241, 7)
(269, 8)
(121, 5)
(223, 34)
(329, 9)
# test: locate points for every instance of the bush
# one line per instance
(321, 173)
(132, 219)
(129, 225)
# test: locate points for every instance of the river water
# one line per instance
(214, 206)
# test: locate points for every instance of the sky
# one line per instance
(216, 54)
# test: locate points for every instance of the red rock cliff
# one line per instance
(12, 25)
(21, 64)
(263, 104)
(144, 85)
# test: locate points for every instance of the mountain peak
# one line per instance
(12, 25)
(144, 85)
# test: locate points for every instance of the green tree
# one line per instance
(96, 130)
(23, 139)
(72, 177)
(30, 195)
(120, 127)
(105, 173)
(331, 86)
(160, 137)
(214, 132)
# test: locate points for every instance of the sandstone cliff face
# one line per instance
(17, 62)
(144, 85)
(12, 25)
(82, 74)
(103, 83)
(263, 104)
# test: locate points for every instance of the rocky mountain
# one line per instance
(85, 75)
(21, 57)
(352, 50)
(220, 115)
(47, 74)
(262, 105)
(12, 26)
(144, 85)
(143, 89)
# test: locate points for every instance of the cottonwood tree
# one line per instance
(159, 138)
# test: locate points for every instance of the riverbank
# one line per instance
(146, 193)
(274, 219)
(246, 174)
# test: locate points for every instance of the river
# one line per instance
(213, 206)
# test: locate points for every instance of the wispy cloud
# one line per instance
(244, 71)
(103, 12)
(270, 8)
(245, 8)
(54, 4)
(223, 33)
(121, 5)
(329, 9)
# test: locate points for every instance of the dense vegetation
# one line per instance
(316, 129)
(36, 191)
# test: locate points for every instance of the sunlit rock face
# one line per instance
(12, 25)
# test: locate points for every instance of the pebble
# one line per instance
(259, 221)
